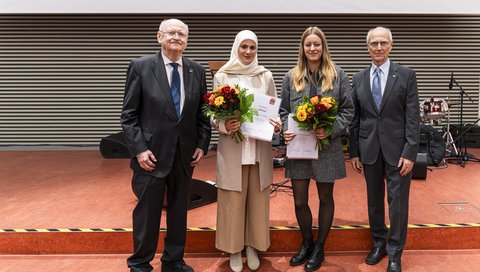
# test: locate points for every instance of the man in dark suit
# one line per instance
(384, 136)
(167, 135)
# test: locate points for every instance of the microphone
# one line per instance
(450, 85)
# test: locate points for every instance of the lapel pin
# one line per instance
(190, 70)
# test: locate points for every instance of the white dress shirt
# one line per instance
(169, 70)
(383, 75)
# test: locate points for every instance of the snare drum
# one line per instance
(433, 109)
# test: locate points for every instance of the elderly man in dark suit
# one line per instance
(384, 136)
(167, 135)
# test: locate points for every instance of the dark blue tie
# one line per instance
(377, 88)
(175, 87)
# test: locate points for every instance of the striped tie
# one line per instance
(377, 88)
(175, 87)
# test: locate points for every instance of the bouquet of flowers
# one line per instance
(317, 112)
(226, 102)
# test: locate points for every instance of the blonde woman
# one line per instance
(315, 74)
(245, 169)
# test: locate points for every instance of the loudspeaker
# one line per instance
(201, 193)
(419, 170)
(114, 146)
(472, 136)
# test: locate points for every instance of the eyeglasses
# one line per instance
(382, 44)
(172, 34)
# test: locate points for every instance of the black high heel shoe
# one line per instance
(303, 254)
(316, 259)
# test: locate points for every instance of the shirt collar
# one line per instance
(167, 61)
(385, 67)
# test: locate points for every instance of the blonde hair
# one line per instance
(301, 76)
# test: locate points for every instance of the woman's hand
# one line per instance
(288, 136)
(232, 125)
(277, 125)
(320, 133)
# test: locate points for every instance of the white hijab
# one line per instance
(234, 65)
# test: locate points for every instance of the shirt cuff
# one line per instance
(221, 127)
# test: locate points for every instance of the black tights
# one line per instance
(304, 214)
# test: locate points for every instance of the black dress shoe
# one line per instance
(316, 260)
(376, 255)
(180, 266)
(303, 254)
(135, 269)
(394, 266)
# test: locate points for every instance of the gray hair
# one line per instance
(390, 38)
(172, 22)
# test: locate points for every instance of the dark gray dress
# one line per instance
(331, 163)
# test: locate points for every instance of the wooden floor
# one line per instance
(412, 261)
(82, 190)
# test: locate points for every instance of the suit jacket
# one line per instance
(149, 120)
(394, 128)
(229, 153)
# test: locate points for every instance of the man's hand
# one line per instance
(406, 166)
(147, 160)
(197, 156)
(356, 164)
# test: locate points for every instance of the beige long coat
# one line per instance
(229, 153)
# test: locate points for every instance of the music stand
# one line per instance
(215, 65)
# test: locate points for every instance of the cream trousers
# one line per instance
(243, 217)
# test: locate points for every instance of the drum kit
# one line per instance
(433, 111)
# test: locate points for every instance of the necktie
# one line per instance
(175, 87)
(377, 88)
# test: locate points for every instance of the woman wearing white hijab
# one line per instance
(244, 170)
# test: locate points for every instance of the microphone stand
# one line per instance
(462, 140)
(465, 156)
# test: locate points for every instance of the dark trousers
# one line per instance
(398, 189)
(147, 213)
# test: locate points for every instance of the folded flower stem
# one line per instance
(321, 143)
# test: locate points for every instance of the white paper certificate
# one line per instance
(261, 128)
(302, 146)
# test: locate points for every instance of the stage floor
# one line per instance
(81, 189)
(412, 261)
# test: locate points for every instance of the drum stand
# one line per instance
(451, 148)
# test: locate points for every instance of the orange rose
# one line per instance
(327, 102)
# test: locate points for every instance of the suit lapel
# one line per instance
(160, 73)
(187, 83)
(392, 77)
(366, 82)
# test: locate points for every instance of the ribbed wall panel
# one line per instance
(62, 76)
